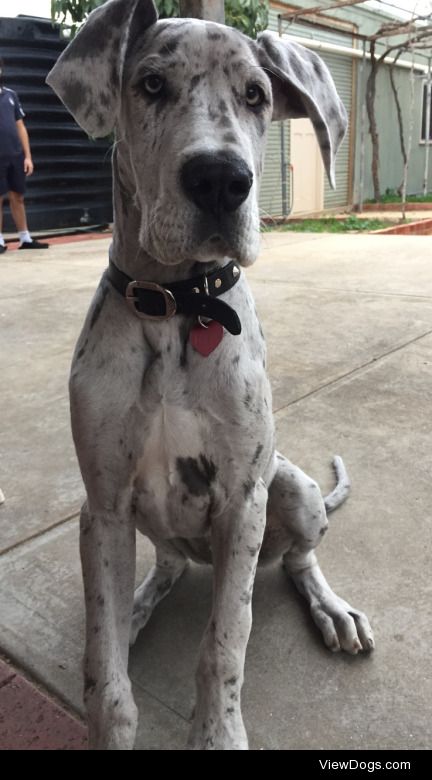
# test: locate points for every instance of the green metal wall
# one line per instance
(270, 200)
(391, 163)
(341, 70)
(367, 21)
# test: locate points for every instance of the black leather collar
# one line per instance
(197, 297)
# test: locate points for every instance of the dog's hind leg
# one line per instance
(297, 508)
(170, 564)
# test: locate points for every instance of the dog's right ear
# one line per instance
(88, 74)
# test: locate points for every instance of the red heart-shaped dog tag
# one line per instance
(205, 340)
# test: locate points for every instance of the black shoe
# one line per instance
(33, 245)
(3, 248)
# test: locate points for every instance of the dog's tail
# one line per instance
(342, 489)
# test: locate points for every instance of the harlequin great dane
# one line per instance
(170, 402)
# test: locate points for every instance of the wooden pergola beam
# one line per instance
(402, 29)
(319, 9)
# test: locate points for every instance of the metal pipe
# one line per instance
(362, 127)
(347, 51)
(284, 188)
(428, 139)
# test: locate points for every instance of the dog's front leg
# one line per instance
(236, 541)
(107, 544)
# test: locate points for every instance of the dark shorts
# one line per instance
(12, 176)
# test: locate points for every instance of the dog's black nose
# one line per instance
(216, 183)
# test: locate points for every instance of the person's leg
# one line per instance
(3, 190)
(16, 202)
(16, 179)
(17, 207)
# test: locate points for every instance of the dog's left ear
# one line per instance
(303, 87)
(88, 74)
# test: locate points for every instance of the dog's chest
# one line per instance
(178, 474)
(170, 501)
(203, 417)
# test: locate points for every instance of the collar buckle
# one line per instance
(132, 300)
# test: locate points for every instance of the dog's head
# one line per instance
(190, 102)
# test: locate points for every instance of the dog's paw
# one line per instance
(112, 718)
(342, 627)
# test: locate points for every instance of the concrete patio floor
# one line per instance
(348, 322)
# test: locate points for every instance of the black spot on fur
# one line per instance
(77, 95)
(194, 81)
(317, 66)
(320, 126)
(89, 684)
(224, 121)
(248, 486)
(229, 138)
(261, 124)
(184, 339)
(274, 53)
(105, 99)
(169, 47)
(258, 452)
(197, 474)
(239, 99)
(99, 305)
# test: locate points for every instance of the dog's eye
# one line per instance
(153, 83)
(254, 95)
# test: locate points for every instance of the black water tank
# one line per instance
(71, 185)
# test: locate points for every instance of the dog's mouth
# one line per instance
(218, 232)
(217, 241)
(217, 246)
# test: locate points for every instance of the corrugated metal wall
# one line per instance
(341, 70)
(71, 185)
(270, 200)
(271, 191)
